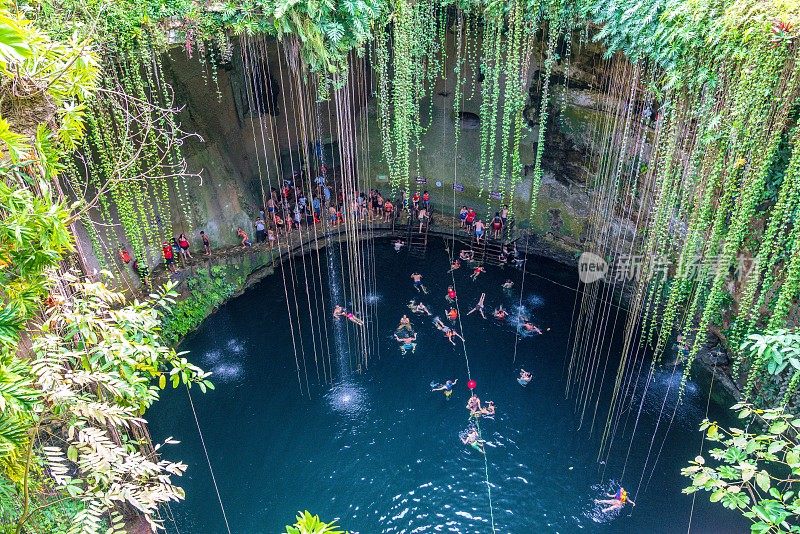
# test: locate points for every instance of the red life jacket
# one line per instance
(470, 216)
(451, 293)
(126, 257)
(167, 250)
(426, 197)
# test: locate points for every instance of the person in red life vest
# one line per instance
(451, 294)
(124, 255)
(617, 501)
(184, 244)
(452, 314)
(241, 234)
(169, 257)
(470, 219)
(388, 208)
(426, 200)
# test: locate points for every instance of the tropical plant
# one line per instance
(756, 472)
(774, 352)
(305, 523)
(98, 363)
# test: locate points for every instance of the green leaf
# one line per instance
(763, 480)
(778, 427)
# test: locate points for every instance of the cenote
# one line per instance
(380, 451)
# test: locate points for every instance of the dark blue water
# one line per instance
(382, 453)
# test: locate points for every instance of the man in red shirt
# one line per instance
(169, 258)
(470, 220)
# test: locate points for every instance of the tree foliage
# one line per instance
(754, 471)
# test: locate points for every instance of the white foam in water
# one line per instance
(227, 372)
(212, 356)
(235, 346)
(535, 301)
(347, 398)
(373, 298)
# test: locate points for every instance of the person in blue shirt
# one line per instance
(447, 387)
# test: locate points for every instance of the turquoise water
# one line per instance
(381, 452)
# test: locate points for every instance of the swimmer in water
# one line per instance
(479, 306)
(500, 314)
(617, 500)
(452, 314)
(418, 308)
(353, 319)
(472, 438)
(417, 278)
(530, 328)
(398, 245)
(448, 332)
(524, 377)
(508, 284)
(466, 255)
(407, 343)
(456, 264)
(451, 294)
(474, 405)
(405, 324)
(488, 410)
(338, 311)
(476, 272)
(447, 387)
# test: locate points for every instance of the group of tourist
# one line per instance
(469, 221)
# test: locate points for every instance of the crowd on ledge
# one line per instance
(290, 209)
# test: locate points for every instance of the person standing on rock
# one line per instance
(261, 230)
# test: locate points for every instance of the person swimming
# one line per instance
(405, 324)
(476, 272)
(472, 438)
(452, 314)
(447, 387)
(417, 278)
(616, 502)
(451, 294)
(353, 319)
(479, 306)
(488, 410)
(340, 311)
(466, 255)
(448, 332)
(418, 308)
(474, 404)
(524, 377)
(398, 245)
(529, 328)
(407, 343)
(456, 264)
(500, 314)
(508, 284)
